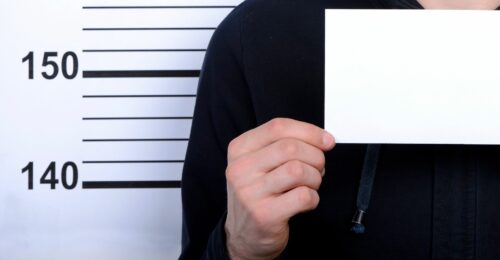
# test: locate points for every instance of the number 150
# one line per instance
(48, 62)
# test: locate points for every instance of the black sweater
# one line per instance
(266, 60)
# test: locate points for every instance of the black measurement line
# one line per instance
(160, 7)
(144, 50)
(149, 29)
(141, 96)
(130, 184)
(131, 161)
(139, 140)
(140, 73)
(140, 118)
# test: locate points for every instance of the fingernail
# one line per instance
(327, 139)
(323, 172)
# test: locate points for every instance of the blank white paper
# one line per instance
(413, 76)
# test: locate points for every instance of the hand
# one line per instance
(273, 173)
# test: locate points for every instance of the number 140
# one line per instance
(49, 176)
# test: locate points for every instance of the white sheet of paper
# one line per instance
(413, 76)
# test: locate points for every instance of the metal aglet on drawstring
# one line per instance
(358, 226)
(365, 187)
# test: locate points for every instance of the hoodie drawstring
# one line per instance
(365, 186)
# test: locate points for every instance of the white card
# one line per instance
(413, 76)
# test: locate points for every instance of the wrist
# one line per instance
(232, 250)
(236, 250)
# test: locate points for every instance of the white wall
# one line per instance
(113, 129)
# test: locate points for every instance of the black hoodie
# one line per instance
(266, 60)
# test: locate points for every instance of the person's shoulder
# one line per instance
(268, 11)
(261, 11)
(250, 8)
(257, 19)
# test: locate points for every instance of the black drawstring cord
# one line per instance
(365, 186)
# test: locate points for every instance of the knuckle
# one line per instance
(307, 197)
(314, 199)
(321, 160)
(233, 170)
(295, 169)
(317, 179)
(277, 125)
(267, 182)
(230, 174)
(233, 148)
(289, 148)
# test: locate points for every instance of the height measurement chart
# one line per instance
(96, 104)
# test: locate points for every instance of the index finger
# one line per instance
(276, 129)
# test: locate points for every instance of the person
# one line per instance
(258, 161)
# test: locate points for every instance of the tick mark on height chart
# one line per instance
(138, 140)
(162, 7)
(141, 73)
(131, 161)
(130, 184)
(142, 96)
(140, 118)
(148, 28)
(144, 50)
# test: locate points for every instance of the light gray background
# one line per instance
(41, 121)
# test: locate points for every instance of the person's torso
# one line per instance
(428, 201)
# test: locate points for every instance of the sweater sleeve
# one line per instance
(223, 111)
